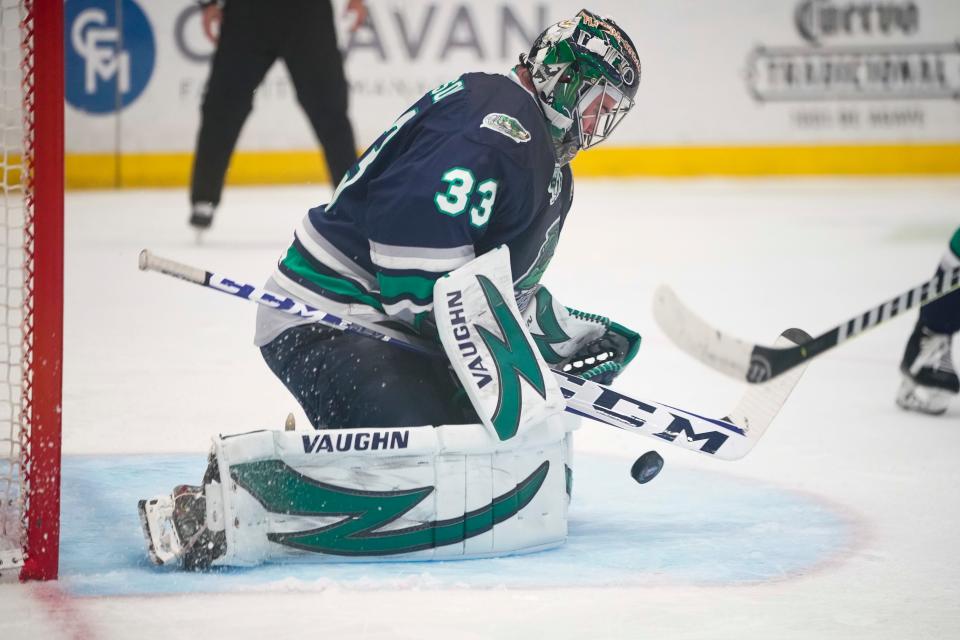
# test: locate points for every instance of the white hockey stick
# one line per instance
(757, 363)
(727, 438)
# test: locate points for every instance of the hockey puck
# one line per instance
(646, 467)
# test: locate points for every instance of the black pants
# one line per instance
(942, 315)
(344, 380)
(253, 34)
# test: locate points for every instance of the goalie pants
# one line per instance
(253, 34)
(344, 380)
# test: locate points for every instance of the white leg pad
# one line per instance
(409, 493)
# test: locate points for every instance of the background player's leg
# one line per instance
(343, 380)
(929, 374)
(316, 68)
(943, 315)
(243, 56)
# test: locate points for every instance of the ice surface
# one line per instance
(155, 366)
(697, 528)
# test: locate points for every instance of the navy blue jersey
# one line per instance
(467, 168)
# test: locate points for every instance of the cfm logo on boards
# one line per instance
(110, 54)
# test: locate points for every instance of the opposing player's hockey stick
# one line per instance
(757, 363)
(728, 438)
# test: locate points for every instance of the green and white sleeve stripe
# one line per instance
(302, 268)
(406, 274)
(394, 257)
(323, 251)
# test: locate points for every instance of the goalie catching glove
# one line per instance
(584, 344)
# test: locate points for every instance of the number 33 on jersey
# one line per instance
(467, 168)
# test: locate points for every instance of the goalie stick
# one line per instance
(757, 363)
(727, 438)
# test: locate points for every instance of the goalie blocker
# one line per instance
(419, 493)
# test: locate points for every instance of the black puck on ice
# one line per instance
(646, 467)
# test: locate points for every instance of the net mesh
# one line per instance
(16, 74)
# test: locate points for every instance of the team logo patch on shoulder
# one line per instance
(507, 125)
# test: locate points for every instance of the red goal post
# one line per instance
(31, 348)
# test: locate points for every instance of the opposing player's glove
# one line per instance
(585, 344)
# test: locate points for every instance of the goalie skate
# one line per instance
(156, 519)
(176, 531)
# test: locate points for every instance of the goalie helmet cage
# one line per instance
(31, 286)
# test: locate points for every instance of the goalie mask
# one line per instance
(586, 73)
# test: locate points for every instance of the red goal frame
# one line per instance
(42, 46)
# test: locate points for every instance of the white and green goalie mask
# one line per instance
(586, 73)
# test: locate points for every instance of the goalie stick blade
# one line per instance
(757, 363)
(729, 438)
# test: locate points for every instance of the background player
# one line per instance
(929, 377)
(250, 36)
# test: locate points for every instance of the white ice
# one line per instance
(154, 365)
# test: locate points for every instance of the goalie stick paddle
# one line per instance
(726, 438)
(757, 363)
